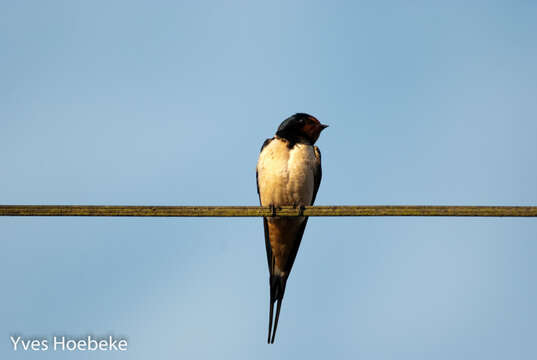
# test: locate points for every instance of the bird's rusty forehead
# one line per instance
(313, 119)
(312, 127)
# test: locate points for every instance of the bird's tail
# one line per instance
(277, 289)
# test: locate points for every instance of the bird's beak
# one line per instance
(323, 126)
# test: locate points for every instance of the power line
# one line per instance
(253, 211)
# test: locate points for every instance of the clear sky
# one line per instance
(168, 103)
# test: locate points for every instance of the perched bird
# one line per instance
(288, 173)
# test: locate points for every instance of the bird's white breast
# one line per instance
(286, 176)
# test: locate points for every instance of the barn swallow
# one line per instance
(288, 173)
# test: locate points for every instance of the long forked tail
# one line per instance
(277, 289)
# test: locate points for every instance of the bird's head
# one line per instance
(301, 126)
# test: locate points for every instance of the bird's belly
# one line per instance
(285, 176)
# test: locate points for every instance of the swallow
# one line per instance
(288, 173)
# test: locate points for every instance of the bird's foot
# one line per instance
(272, 210)
(300, 209)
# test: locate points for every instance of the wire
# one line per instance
(253, 211)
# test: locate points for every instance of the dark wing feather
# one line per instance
(265, 143)
(318, 173)
(265, 225)
(267, 245)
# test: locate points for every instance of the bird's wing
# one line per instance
(317, 175)
(265, 143)
(265, 225)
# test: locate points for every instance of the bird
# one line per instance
(288, 173)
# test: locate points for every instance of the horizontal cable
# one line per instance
(252, 211)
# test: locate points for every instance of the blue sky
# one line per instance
(168, 103)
